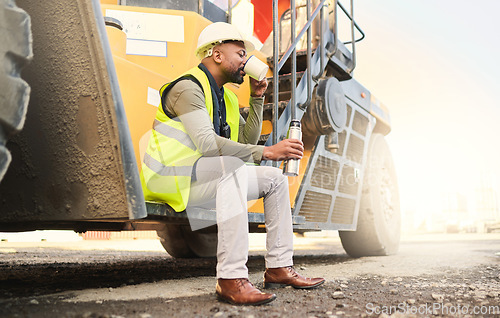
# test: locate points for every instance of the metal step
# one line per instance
(341, 64)
(287, 67)
(285, 87)
(267, 115)
(268, 110)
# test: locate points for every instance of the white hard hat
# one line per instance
(214, 34)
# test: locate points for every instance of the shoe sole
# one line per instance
(278, 285)
(220, 298)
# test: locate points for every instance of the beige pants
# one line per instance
(226, 183)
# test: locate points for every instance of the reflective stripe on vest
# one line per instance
(175, 133)
(163, 170)
(171, 154)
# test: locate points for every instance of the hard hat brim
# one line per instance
(249, 46)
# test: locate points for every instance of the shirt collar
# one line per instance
(211, 80)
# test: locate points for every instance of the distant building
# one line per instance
(455, 207)
(487, 207)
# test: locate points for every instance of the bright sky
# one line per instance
(435, 65)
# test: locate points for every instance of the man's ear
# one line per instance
(217, 55)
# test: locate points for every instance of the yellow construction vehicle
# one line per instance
(92, 71)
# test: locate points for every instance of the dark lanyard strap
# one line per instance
(221, 126)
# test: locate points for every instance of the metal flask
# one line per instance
(291, 166)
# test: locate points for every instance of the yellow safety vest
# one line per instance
(171, 154)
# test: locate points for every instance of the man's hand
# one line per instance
(283, 150)
(257, 89)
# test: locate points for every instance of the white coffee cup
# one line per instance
(255, 68)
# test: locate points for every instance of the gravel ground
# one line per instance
(451, 294)
(438, 276)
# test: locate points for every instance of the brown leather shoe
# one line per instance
(241, 292)
(287, 276)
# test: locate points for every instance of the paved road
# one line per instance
(444, 275)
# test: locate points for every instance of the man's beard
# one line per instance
(236, 77)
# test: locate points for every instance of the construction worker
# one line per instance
(198, 155)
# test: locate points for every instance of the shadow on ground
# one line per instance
(45, 274)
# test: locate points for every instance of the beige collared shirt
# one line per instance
(187, 101)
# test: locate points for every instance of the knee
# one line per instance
(281, 179)
(276, 176)
(277, 173)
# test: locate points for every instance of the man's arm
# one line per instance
(250, 132)
(187, 101)
(250, 129)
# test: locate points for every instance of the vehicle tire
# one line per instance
(181, 242)
(379, 221)
(15, 52)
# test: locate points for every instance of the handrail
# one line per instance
(352, 41)
(275, 76)
(284, 17)
(335, 30)
(294, 58)
(292, 50)
(301, 33)
(352, 21)
(321, 44)
(309, 56)
(319, 58)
